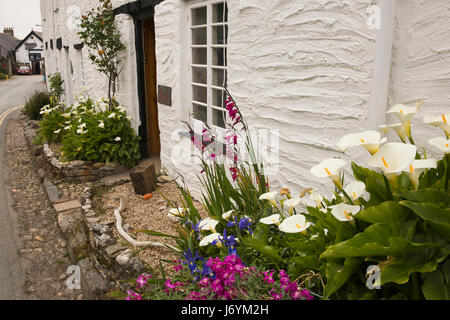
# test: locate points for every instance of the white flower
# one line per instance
(67, 128)
(176, 213)
(371, 140)
(441, 143)
(393, 157)
(342, 211)
(117, 139)
(227, 215)
(57, 131)
(440, 122)
(290, 204)
(405, 114)
(398, 128)
(210, 239)
(355, 189)
(273, 219)
(82, 126)
(112, 115)
(208, 224)
(316, 197)
(273, 197)
(101, 124)
(417, 167)
(294, 224)
(329, 168)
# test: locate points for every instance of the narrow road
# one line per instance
(12, 93)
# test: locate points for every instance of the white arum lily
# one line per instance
(294, 224)
(398, 128)
(343, 211)
(57, 131)
(393, 157)
(210, 239)
(208, 224)
(441, 143)
(176, 213)
(371, 140)
(355, 189)
(329, 168)
(273, 219)
(417, 167)
(405, 114)
(101, 124)
(227, 215)
(273, 197)
(441, 121)
(290, 204)
(316, 197)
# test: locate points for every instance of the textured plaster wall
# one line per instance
(421, 62)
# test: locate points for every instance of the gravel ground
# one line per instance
(144, 215)
(43, 249)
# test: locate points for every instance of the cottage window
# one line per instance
(208, 40)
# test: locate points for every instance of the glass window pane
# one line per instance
(199, 75)
(218, 14)
(219, 56)
(220, 34)
(199, 56)
(199, 112)
(218, 76)
(199, 36)
(199, 94)
(199, 16)
(218, 97)
(218, 118)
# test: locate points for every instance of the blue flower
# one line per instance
(190, 260)
(243, 224)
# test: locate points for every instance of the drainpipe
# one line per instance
(382, 65)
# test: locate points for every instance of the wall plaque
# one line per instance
(165, 95)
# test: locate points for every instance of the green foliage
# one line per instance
(52, 123)
(100, 34)
(35, 103)
(3, 76)
(56, 82)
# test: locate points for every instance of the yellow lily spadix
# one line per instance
(441, 143)
(393, 157)
(329, 168)
(416, 168)
(371, 140)
(294, 224)
(441, 121)
(355, 189)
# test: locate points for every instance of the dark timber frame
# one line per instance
(140, 10)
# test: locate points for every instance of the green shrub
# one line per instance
(3, 76)
(35, 103)
(52, 124)
(56, 83)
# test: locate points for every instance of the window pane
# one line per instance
(199, 56)
(199, 36)
(199, 94)
(218, 77)
(218, 97)
(218, 14)
(199, 16)
(199, 112)
(219, 56)
(218, 118)
(199, 75)
(220, 34)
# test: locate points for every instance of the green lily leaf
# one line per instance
(267, 250)
(386, 212)
(338, 274)
(428, 195)
(306, 262)
(439, 219)
(379, 239)
(434, 287)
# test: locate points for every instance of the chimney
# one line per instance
(9, 31)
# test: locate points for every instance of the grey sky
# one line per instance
(22, 15)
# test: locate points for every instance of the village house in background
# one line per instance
(8, 44)
(30, 51)
(309, 70)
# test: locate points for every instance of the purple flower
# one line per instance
(133, 296)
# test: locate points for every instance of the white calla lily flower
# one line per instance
(273, 197)
(417, 167)
(371, 140)
(398, 128)
(273, 219)
(176, 213)
(441, 121)
(393, 157)
(343, 211)
(290, 204)
(329, 168)
(441, 143)
(405, 114)
(355, 189)
(294, 224)
(210, 239)
(316, 197)
(227, 215)
(208, 224)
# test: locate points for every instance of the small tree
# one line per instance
(100, 35)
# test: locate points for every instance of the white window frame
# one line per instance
(209, 67)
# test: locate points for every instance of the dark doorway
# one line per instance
(151, 99)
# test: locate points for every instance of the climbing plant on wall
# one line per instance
(100, 34)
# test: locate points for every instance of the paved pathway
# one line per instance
(12, 93)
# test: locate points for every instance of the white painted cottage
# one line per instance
(311, 70)
(30, 51)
